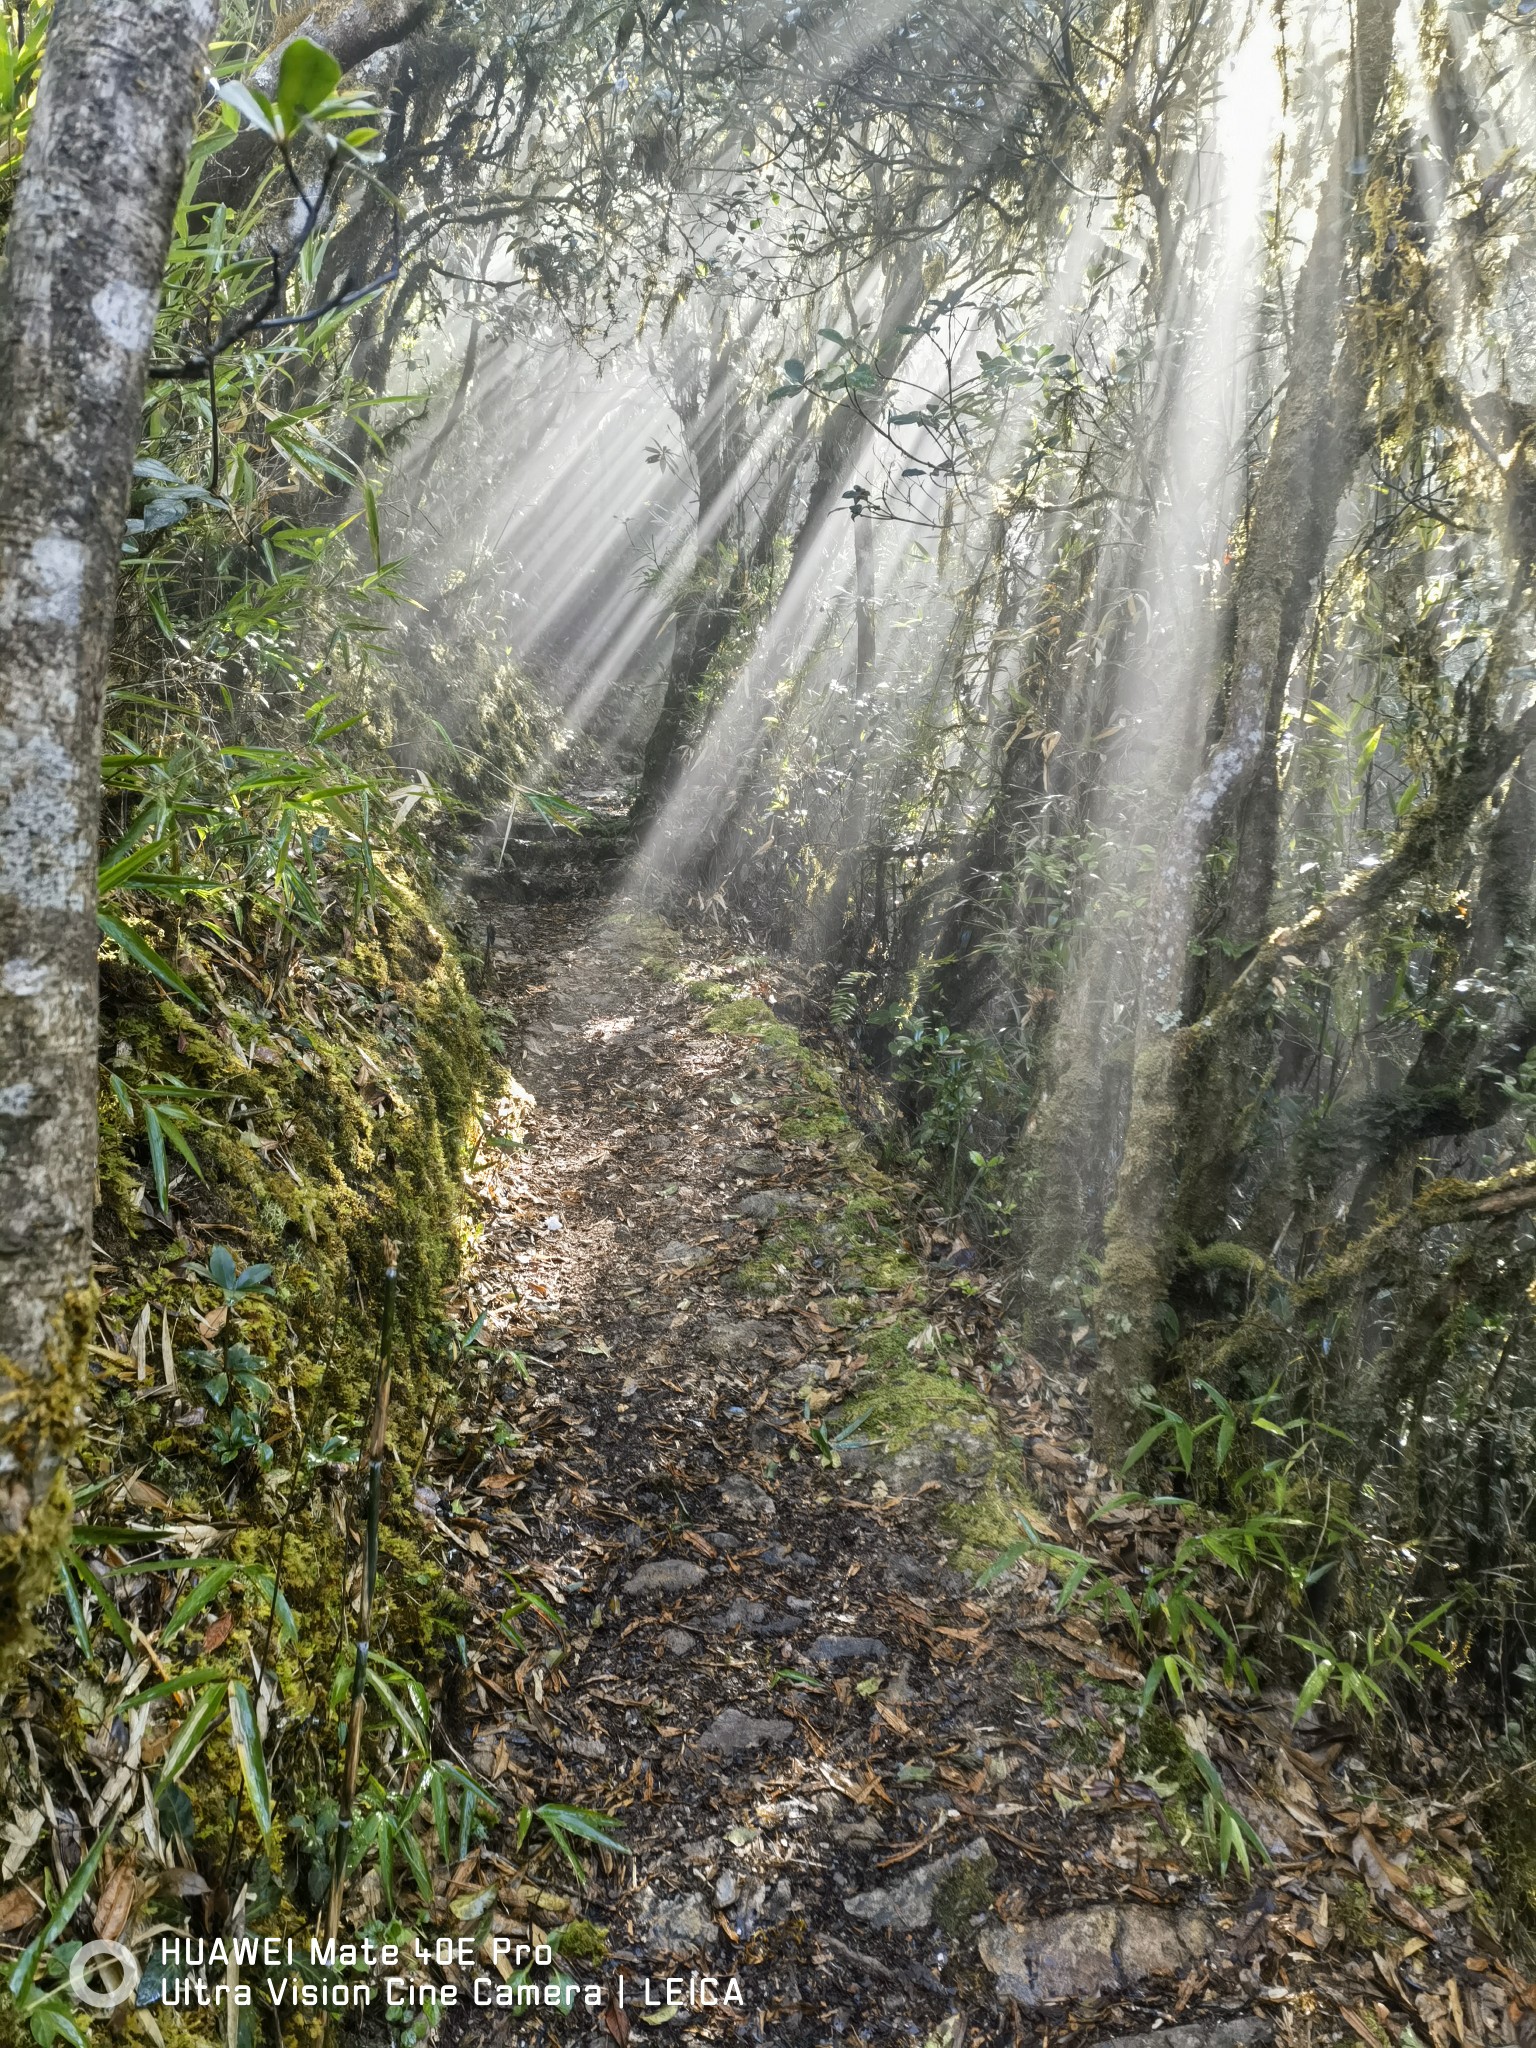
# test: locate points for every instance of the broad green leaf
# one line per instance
(154, 1132)
(305, 81)
(253, 106)
(584, 1821)
(76, 1611)
(186, 1681)
(109, 1608)
(413, 1729)
(440, 1815)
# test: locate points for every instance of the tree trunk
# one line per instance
(864, 605)
(90, 228)
(1295, 509)
(711, 411)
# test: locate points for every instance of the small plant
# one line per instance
(1210, 1608)
(568, 1825)
(945, 1071)
(235, 1283)
(168, 1110)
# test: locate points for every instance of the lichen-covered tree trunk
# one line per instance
(1295, 509)
(84, 258)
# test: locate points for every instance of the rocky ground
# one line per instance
(749, 1429)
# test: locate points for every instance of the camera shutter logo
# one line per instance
(91, 1953)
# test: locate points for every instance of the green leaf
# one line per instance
(410, 1851)
(277, 1601)
(142, 954)
(76, 1611)
(190, 1736)
(371, 511)
(253, 106)
(440, 1815)
(1004, 1562)
(206, 1589)
(109, 1608)
(154, 1131)
(305, 81)
(246, 1736)
(584, 1821)
(59, 1919)
(185, 1681)
(1143, 1444)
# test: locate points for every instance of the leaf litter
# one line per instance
(653, 1541)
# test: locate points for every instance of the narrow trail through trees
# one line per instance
(880, 1803)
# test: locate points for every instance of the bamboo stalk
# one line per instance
(377, 1427)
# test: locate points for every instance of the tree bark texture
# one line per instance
(95, 202)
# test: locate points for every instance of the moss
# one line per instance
(43, 1412)
(1355, 1917)
(1227, 1257)
(986, 1524)
(962, 1893)
(582, 1942)
(782, 1249)
(14, 2031)
(649, 941)
(750, 1017)
(1038, 1682)
(1161, 1752)
(901, 1404)
(905, 1405)
(350, 1133)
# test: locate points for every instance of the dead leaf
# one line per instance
(119, 1896)
(21, 1831)
(1357, 2022)
(218, 1634)
(143, 1495)
(893, 1719)
(1376, 1867)
(1095, 1666)
(210, 1325)
(17, 1907)
(1409, 1916)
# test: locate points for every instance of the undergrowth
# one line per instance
(292, 1079)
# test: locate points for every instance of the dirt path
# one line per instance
(871, 1803)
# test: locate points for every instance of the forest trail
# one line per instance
(887, 1806)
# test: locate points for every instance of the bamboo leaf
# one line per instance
(246, 1736)
(26, 1966)
(207, 1588)
(191, 1735)
(142, 954)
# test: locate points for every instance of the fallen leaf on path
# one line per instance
(17, 1907)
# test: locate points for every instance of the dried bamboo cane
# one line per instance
(378, 1424)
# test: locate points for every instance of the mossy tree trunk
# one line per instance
(1295, 510)
(84, 258)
